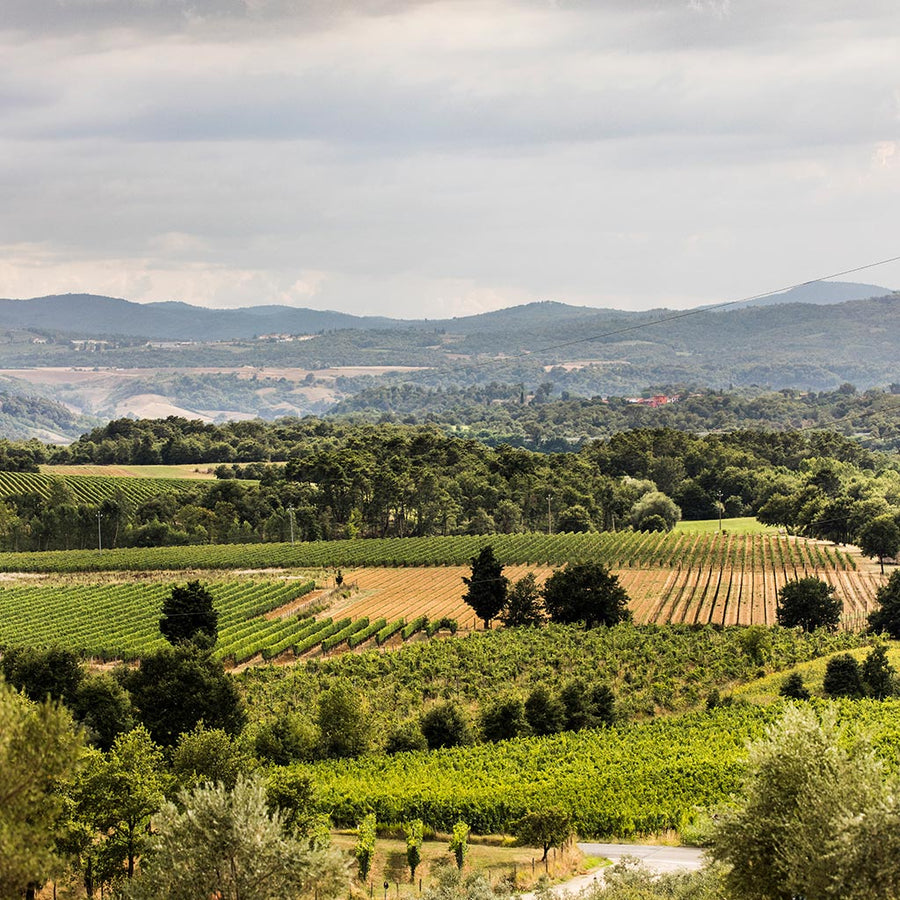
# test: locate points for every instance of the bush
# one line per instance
(842, 677)
(793, 687)
(445, 725)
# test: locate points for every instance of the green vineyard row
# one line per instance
(623, 549)
(90, 489)
(642, 778)
(121, 621)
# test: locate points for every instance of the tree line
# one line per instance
(341, 480)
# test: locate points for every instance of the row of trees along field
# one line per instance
(343, 481)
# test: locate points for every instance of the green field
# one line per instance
(121, 621)
(642, 778)
(91, 489)
(190, 471)
(742, 525)
(616, 550)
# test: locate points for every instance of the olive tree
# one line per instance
(226, 843)
(816, 818)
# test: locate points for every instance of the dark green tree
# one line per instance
(544, 712)
(879, 677)
(502, 718)
(808, 603)
(40, 673)
(487, 587)
(842, 677)
(188, 614)
(174, 689)
(587, 706)
(445, 725)
(103, 707)
(523, 603)
(289, 738)
(880, 538)
(405, 737)
(793, 687)
(585, 592)
(886, 617)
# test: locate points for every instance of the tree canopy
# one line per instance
(808, 603)
(486, 589)
(585, 592)
(188, 614)
(886, 617)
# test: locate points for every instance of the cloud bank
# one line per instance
(442, 158)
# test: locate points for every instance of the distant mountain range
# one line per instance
(89, 315)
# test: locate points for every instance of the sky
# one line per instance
(431, 159)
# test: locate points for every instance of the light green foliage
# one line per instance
(544, 828)
(208, 756)
(345, 726)
(655, 504)
(365, 845)
(451, 884)
(118, 793)
(293, 795)
(613, 549)
(225, 843)
(459, 843)
(630, 879)
(641, 778)
(414, 835)
(91, 489)
(649, 668)
(39, 750)
(813, 801)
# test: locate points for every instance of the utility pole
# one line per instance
(549, 519)
(291, 518)
(99, 534)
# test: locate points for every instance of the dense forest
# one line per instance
(342, 480)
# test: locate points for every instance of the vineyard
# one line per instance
(615, 549)
(695, 579)
(635, 779)
(120, 621)
(649, 668)
(91, 489)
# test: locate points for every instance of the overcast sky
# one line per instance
(444, 158)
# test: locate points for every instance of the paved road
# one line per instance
(659, 859)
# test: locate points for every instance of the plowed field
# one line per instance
(729, 588)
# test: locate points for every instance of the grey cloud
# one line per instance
(406, 156)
